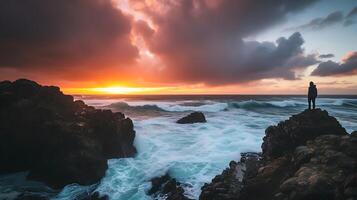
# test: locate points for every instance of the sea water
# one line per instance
(193, 153)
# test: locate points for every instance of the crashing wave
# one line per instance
(265, 104)
(204, 106)
(251, 104)
(126, 106)
(169, 107)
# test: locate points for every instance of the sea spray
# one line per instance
(193, 153)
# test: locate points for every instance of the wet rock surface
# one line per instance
(195, 117)
(228, 185)
(166, 187)
(310, 156)
(287, 135)
(58, 140)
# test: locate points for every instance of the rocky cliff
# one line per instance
(309, 156)
(58, 140)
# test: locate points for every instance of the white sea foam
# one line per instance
(192, 154)
(195, 153)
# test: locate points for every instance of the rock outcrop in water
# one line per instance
(165, 186)
(310, 156)
(58, 140)
(195, 117)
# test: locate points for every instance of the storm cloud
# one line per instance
(204, 41)
(64, 35)
(348, 66)
(196, 41)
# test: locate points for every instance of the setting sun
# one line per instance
(117, 90)
(114, 90)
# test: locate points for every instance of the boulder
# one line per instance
(58, 140)
(195, 117)
(168, 187)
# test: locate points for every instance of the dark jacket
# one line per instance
(312, 92)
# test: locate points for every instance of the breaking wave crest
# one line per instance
(251, 104)
(126, 106)
(169, 107)
(224, 106)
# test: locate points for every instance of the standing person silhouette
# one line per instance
(312, 95)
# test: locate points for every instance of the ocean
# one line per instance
(191, 153)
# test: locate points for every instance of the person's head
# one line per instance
(311, 83)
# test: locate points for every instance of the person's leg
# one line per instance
(309, 100)
(313, 103)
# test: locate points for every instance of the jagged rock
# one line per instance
(287, 135)
(322, 165)
(195, 117)
(167, 187)
(227, 186)
(58, 140)
(323, 177)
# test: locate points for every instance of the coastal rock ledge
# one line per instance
(58, 140)
(310, 156)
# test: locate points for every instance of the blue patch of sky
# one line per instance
(336, 39)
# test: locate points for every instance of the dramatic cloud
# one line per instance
(330, 68)
(60, 35)
(329, 55)
(203, 41)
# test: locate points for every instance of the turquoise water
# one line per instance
(195, 153)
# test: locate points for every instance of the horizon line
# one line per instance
(208, 94)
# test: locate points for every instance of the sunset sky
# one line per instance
(181, 46)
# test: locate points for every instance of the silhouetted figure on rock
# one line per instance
(312, 95)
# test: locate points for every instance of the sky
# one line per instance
(181, 46)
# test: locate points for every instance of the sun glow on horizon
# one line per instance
(113, 90)
(117, 90)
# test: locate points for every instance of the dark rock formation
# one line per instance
(328, 170)
(229, 184)
(167, 187)
(287, 135)
(58, 140)
(322, 165)
(195, 117)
